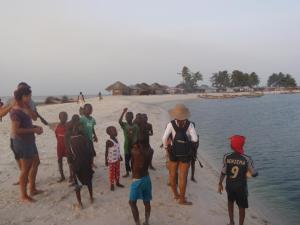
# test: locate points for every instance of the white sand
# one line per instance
(56, 205)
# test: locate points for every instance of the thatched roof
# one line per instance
(157, 86)
(118, 85)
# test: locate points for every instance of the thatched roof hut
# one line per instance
(118, 88)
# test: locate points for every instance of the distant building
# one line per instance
(118, 88)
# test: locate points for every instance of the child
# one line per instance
(89, 124)
(60, 133)
(130, 130)
(113, 157)
(235, 168)
(141, 187)
(82, 161)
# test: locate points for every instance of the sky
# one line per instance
(66, 46)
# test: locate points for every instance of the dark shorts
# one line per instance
(184, 159)
(238, 195)
(23, 149)
(16, 154)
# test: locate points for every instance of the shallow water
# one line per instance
(272, 127)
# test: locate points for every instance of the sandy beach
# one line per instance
(56, 205)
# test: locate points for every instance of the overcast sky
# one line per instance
(62, 47)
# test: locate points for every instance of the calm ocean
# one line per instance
(272, 127)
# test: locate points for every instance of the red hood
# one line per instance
(237, 143)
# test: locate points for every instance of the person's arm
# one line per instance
(122, 116)
(222, 176)
(150, 130)
(221, 188)
(192, 131)
(251, 168)
(5, 109)
(166, 135)
(109, 144)
(16, 129)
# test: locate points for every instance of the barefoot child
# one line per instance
(62, 152)
(141, 187)
(113, 158)
(89, 124)
(235, 168)
(130, 130)
(82, 161)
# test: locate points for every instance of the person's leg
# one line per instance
(151, 165)
(33, 174)
(61, 171)
(183, 174)
(26, 165)
(231, 212)
(112, 176)
(127, 164)
(117, 175)
(90, 188)
(173, 166)
(242, 214)
(78, 196)
(135, 212)
(193, 170)
(147, 212)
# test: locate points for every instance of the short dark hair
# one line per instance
(22, 91)
(23, 84)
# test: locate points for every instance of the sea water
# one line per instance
(271, 125)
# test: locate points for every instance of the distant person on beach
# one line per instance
(113, 157)
(82, 161)
(236, 166)
(81, 100)
(141, 187)
(100, 96)
(23, 141)
(184, 136)
(62, 151)
(130, 130)
(89, 124)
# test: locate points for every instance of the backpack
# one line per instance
(181, 143)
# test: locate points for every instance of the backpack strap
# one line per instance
(174, 125)
(187, 125)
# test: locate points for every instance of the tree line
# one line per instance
(224, 79)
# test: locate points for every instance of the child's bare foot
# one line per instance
(36, 192)
(112, 187)
(120, 185)
(185, 202)
(27, 199)
(61, 179)
(92, 200)
(78, 206)
(16, 183)
(126, 175)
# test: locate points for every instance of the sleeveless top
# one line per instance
(113, 152)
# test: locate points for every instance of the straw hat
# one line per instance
(180, 112)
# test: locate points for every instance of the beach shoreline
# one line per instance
(209, 207)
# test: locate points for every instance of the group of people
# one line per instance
(75, 141)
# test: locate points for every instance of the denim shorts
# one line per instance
(24, 150)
